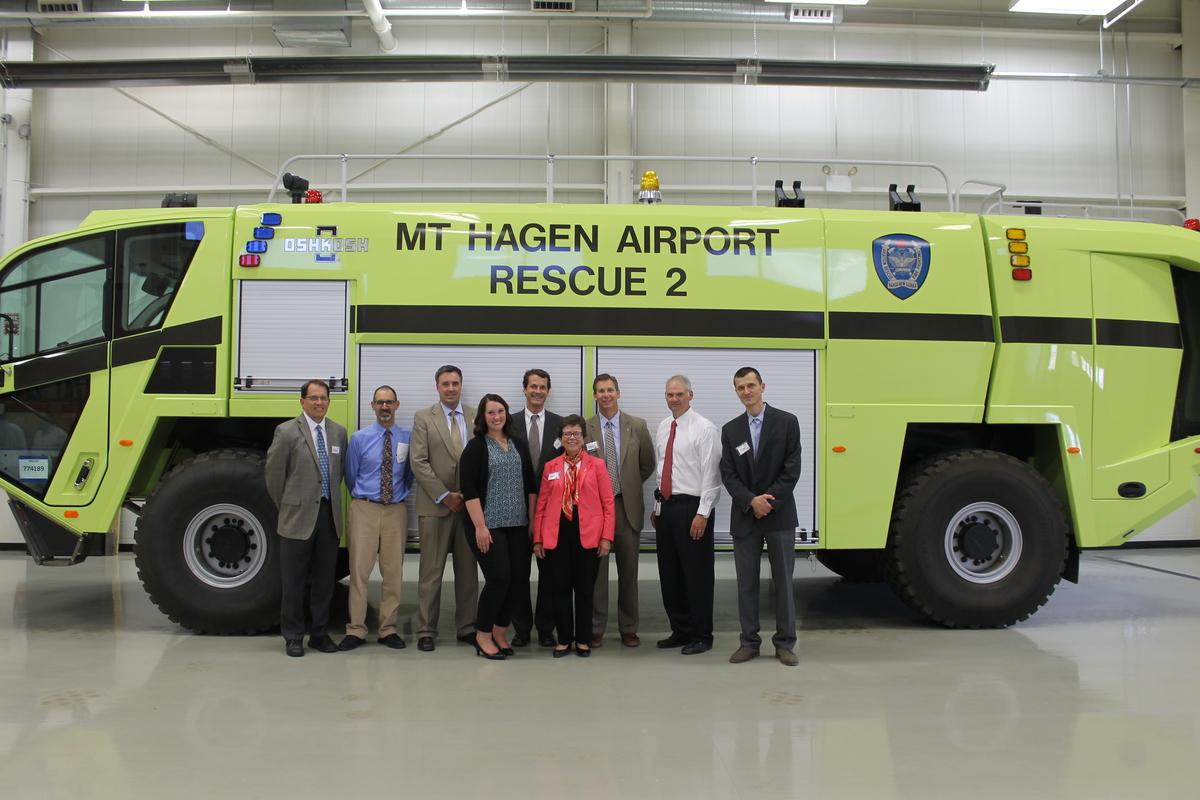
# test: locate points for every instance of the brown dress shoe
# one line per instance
(597, 640)
(786, 657)
(630, 639)
(743, 654)
(425, 644)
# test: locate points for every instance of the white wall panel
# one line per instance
(1042, 139)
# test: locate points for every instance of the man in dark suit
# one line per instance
(539, 430)
(304, 479)
(760, 465)
(624, 442)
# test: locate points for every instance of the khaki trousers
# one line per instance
(626, 546)
(375, 529)
(440, 535)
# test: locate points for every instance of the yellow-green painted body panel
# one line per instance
(1104, 410)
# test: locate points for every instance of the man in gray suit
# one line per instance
(760, 465)
(438, 436)
(624, 442)
(539, 430)
(304, 479)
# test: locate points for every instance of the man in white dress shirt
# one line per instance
(688, 447)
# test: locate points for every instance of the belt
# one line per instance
(379, 502)
(679, 498)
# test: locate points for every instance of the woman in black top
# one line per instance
(498, 485)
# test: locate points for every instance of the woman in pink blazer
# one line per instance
(573, 530)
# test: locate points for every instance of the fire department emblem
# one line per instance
(902, 263)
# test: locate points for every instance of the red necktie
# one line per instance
(668, 460)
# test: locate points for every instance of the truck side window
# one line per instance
(55, 297)
(151, 263)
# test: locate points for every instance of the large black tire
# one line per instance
(978, 539)
(204, 545)
(854, 566)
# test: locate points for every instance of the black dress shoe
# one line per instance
(479, 651)
(393, 641)
(546, 640)
(425, 644)
(696, 648)
(520, 640)
(350, 642)
(563, 653)
(293, 647)
(322, 643)
(674, 640)
(582, 652)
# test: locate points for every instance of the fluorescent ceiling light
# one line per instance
(1065, 6)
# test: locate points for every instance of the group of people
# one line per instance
(502, 490)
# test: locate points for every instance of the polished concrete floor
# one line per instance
(1096, 696)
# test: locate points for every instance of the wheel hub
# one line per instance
(983, 542)
(230, 543)
(224, 546)
(978, 540)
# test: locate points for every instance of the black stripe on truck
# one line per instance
(1046, 330)
(539, 321)
(911, 327)
(60, 366)
(1138, 333)
(146, 346)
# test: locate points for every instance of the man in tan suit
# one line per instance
(624, 442)
(304, 479)
(438, 436)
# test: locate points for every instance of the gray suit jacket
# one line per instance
(294, 476)
(432, 458)
(636, 463)
(774, 471)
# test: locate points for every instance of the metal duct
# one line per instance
(541, 68)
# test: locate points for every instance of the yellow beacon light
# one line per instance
(1016, 234)
(649, 192)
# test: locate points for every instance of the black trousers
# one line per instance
(686, 569)
(572, 569)
(300, 558)
(505, 579)
(526, 615)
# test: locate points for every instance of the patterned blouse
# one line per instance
(507, 506)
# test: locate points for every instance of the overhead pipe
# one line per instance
(520, 68)
(381, 26)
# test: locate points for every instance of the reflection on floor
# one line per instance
(1093, 697)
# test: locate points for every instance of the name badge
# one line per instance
(592, 446)
(401, 451)
(553, 476)
(558, 444)
(335, 449)
(742, 448)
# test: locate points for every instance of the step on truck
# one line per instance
(981, 396)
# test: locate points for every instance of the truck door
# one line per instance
(57, 310)
(55, 306)
(1138, 353)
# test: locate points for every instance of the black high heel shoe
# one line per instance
(479, 651)
(506, 651)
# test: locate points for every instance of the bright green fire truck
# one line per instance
(981, 397)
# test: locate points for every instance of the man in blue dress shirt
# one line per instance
(378, 477)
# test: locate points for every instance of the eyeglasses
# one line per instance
(317, 398)
(387, 402)
(572, 435)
